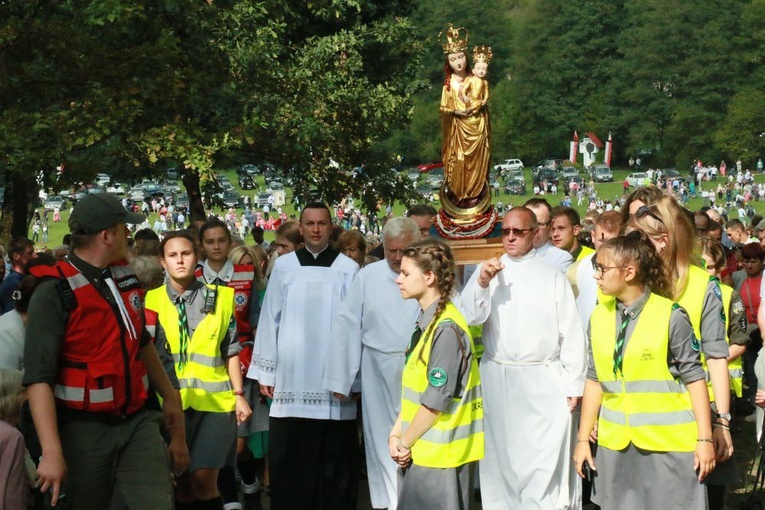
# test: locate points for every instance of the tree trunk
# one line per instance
(196, 207)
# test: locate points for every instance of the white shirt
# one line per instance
(555, 256)
(373, 315)
(529, 316)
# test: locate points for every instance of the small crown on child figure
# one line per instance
(454, 41)
(482, 54)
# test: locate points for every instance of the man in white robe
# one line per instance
(545, 249)
(313, 441)
(532, 372)
(374, 326)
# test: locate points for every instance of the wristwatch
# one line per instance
(724, 416)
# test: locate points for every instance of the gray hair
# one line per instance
(10, 387)
(147, 269)
(399, 227)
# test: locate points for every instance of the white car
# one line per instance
(510, 164)
(637, 179)
(116, 188)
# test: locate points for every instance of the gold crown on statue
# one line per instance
(454, 43)
(482, 54)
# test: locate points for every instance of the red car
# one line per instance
(427, 167)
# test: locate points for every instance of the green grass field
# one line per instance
(607, 191)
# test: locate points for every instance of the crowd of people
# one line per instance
(598, 359)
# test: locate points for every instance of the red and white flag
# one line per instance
(609, 149)
(574, 148)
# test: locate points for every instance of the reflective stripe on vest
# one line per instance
(201, 359)
(735, 367)
(644, 404)
(456, 437)
(71, 394)
(204, 379)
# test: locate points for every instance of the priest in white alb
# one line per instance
(372, 331)
(532, 372)
(313, 444)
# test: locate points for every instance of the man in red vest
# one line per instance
(88, 361)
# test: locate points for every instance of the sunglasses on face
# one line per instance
(517, 232)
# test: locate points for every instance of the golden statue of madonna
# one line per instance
(466, 144)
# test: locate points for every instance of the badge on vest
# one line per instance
(437, 377)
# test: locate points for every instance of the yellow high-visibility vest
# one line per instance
(457, 436)
(643, 404)
(692, 300)
(203, 378)
(735, 367)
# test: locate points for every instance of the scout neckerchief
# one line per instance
(619, 347)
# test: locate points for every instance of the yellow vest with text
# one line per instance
(204, 379)
(692, 300)
(456, 437)
(643, 405)
(735, 367)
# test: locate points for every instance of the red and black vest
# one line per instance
(242, 283)
(99, 368)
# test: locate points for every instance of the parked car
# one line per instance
(671, 173)
(116, 189)
(435, 181)
(602, 173)
(262, 198)
(102, 180)
(248, 170)
(275, 186)
(568, 172)
(137, 193)
(551, 163)
(515, 174)
(515, 186)
(231, 199)
(637, 178)
(509, 164)
(54, 202)
(246, 182)
(182, 202)
(546, 175)
(427, 167)
(413, 174)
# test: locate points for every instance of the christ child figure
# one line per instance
(475, 89)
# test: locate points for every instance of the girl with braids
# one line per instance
(652, 433)
(671, 230)
(439, 430)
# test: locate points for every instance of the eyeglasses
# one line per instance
(644, 210)
(602, 270)
(517, 232)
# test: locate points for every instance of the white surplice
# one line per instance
(293, 337)
(535, 356)
(588, 289)
(373, 328)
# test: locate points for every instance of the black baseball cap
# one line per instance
(94, 213)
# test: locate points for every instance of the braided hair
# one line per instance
(636, 249)
(432, 255)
